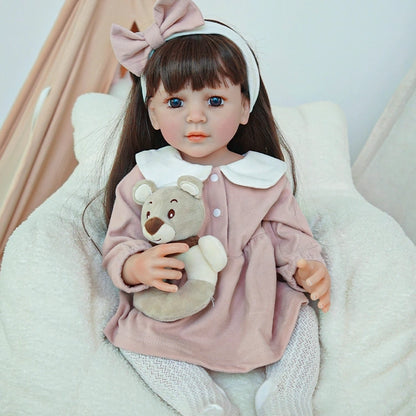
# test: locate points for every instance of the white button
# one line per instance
(214, 177)
(216, 212)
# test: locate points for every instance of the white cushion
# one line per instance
(385, 170)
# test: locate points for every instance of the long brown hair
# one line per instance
(199, 61)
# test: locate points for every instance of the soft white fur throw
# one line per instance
(55, 297)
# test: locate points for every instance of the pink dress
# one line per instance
(251, 210)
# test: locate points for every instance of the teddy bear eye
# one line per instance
(171, 213)
(147, 214)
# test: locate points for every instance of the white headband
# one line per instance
(210, 28)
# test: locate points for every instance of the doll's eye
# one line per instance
(171, 213)
(175, 102)
(147, 214)
(215, 101)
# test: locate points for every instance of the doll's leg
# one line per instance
(290, 382)
(186, 387)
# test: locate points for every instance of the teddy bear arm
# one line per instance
(213, 251)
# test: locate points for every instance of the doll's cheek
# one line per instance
(245, 112)
(153, 119)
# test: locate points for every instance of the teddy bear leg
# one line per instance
(191, 298)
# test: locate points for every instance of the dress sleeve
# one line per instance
(124, 236)
(290, 234)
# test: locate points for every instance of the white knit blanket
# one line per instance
(55, 298)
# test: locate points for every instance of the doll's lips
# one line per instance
(196, 136)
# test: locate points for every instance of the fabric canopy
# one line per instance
(36, 146)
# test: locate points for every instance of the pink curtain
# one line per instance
(36, 147)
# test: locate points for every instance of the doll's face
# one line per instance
(200, 124)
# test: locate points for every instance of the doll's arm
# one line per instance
(132, 263)
(290, 234)
(124, 238)
(313, 276)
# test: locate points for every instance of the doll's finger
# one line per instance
(324, 308)
(315, 278)
(165, 286)
(325, 299)
(320, 289)
(303, 271)
(169, 274)
(325, 302)
(301, 264)
(171, 263)
(171, 248)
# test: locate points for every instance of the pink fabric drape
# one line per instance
(36, 152)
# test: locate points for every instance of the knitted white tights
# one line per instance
(287, 391)
(290, 382)
(188, 388)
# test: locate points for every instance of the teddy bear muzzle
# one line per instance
(153, 225)
(158, 231)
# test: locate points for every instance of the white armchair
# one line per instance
(55, 298)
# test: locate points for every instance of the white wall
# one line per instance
(352, 52)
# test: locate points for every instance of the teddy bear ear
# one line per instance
(142, 190)
(191, 185)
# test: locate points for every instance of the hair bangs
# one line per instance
(197, 61)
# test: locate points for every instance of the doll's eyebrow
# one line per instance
(173, 200)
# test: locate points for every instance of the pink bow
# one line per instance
(171, 16)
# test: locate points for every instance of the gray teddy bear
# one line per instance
(176, 213)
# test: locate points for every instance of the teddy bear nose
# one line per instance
(153, 224)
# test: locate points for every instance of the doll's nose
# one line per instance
(196, 114)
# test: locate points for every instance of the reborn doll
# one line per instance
(198, 107)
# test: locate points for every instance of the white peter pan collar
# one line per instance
(165, 165)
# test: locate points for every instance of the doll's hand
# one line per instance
(152, 267)
(313, 276)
